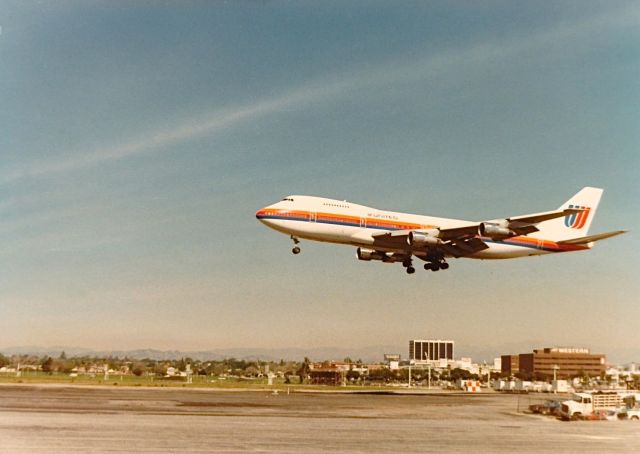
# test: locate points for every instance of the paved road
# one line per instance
(101, 419)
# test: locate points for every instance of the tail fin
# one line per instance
(575, 225)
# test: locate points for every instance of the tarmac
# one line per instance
(60, 418)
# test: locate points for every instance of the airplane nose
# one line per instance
(261, 214)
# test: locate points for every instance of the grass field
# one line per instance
(198, 381)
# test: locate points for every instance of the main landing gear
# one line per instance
(435, 261)
(435, 266)
(408, 264)
(296, 249)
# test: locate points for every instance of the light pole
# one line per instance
(555, 381)
(488, 369)
(425, 356)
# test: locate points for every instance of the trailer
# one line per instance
(583, 405)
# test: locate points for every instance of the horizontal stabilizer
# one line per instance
(592, 238)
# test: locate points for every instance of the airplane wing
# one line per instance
(540, 217)
(456, 242)
(463, 247)
(592, 238)
(526, 224)
(466, 240)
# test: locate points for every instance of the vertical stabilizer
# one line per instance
(575, 225)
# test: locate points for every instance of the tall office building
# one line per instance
(430, 350)
(567, 362)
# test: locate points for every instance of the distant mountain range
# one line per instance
(367, 354)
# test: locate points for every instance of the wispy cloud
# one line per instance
(324, 90)
(204, 125)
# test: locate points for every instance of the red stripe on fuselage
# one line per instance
(534, 243)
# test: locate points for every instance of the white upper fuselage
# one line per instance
(335, 221)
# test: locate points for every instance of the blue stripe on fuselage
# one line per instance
(353, 224)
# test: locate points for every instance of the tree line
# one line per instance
(150, 366)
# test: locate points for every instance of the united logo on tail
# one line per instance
(577, 220)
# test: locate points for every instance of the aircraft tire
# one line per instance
(410, 270)
(296, 250)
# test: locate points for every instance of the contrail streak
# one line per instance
(325, 90)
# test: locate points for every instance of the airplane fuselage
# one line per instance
(341, 222)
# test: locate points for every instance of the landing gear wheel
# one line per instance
(410, 270)
(296, 249)
(444, 266)
(433, 266)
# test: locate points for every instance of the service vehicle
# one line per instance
(585, 404)
(630, 413)
(550, 407)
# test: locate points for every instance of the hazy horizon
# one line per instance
(141, 137)
(372, 353)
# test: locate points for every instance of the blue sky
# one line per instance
(139, 139)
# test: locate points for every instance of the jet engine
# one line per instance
(496, 231)
(428, 238)
(372, 254)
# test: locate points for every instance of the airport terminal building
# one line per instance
(567, 362)
(432, 350)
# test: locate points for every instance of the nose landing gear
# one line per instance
(296, 249)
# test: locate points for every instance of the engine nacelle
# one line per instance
(428, 238)
(370, 254)
(495, 231)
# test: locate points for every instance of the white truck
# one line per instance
(632, 407)
(584, 404)
(630, 413)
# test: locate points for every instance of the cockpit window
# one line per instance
(287, 199)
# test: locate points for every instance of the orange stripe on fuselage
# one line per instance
(534, 243)
(544, 244)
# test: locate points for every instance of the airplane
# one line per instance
(392, 237)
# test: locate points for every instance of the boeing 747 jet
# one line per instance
(392, 237)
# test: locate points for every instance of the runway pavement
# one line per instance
(112, 419)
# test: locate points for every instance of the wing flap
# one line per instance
(459, 232)
(463, 247)
(456, 242)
